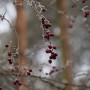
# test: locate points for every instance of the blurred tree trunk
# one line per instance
(21, 29)
(63, 23)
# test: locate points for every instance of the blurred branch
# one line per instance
(63, 23)
(55, 83)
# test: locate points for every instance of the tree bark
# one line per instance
(21, 30)
(63, 23)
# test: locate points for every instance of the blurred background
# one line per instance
(72, 39)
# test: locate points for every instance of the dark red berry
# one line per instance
(86, 13)
(0, 88)
(51, 34)
(56, 54)
(52, 71)
(16, 82)
(83, 1)
(54, 67)
(48, 51)
(56, 70)
(54, 47)
(20, 83)
(6, 46)
(40, 70)
(30, 70)
(46, 73)
(47, 33)
(28, 73)
(47, 37)
(9, 54)
(43, 20)
(50, 61)
(50, 46)
(44, 10)
(10, 61)
(51, 57)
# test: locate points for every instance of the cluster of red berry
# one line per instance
(50, 50)
(85, 9)
(17, 82)
(29, 72)
(48, 35)
(9, 55)
(46, 25)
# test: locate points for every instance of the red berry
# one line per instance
(16, 82)
(54, 67)
(56, 54)
(6, 46)
(50, 61)
(46, 73)
(50, 46)
(28, 73)
(47, 37)
(40, 70)
(9, 54)
(20, 83)
(30, 70)
(44, 10)
(83, 1)
(51, 34)
(51, 57)
(43, 20)
(47, 33)
(48, 51)
(52, 71)
(54, 47)
(56, 70)
(0, 88)
(10, 61)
